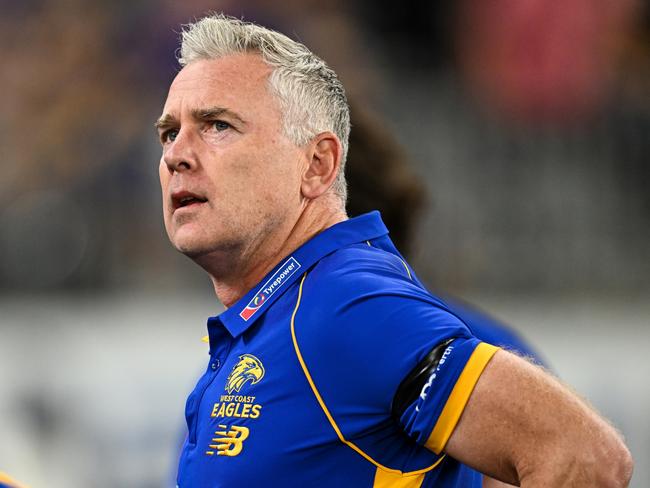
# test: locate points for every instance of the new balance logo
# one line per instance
(229, 442)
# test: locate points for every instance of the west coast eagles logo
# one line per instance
(249, 368)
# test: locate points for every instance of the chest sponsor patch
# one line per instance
(279, 278)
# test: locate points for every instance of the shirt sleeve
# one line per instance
(432, 417)
(363, 328)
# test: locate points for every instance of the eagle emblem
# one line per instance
(248, 368)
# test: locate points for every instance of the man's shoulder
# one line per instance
(361, 324)
(362, 266)
(364, 294)
(362, 274)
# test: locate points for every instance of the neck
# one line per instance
(249, 266)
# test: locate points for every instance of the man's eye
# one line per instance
(220, 125)
(169, 136)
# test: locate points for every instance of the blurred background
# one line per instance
(522, 129)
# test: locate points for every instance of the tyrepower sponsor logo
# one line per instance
(278, 279)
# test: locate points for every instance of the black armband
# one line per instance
(411, 387)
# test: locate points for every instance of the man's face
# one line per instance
(229, 175)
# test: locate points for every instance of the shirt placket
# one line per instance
(220, 344)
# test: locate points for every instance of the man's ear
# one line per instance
(325, 154)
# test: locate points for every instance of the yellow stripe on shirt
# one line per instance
(386, 479)
(459, 396)
(319, 398)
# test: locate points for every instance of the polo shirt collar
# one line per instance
(238, 318)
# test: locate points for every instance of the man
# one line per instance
(332, 365)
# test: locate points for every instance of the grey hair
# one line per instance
(311, 96)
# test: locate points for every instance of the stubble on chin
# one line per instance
(206, 249)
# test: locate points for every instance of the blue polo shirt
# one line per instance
(303, 371)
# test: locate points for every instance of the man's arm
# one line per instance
(523, 427)
(492, 483)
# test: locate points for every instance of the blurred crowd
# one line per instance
(522, 129)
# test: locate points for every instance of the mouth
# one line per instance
(185, 199)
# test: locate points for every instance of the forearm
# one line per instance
(579, 448)
(598, 458)
(492, 483)
(523, 427)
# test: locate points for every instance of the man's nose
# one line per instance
(180, 154)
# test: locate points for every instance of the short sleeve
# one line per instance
(362, 327)
(432, 417)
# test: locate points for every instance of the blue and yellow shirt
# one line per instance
(303, 371)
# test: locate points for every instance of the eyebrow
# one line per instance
(168, 120)
(165, 121)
